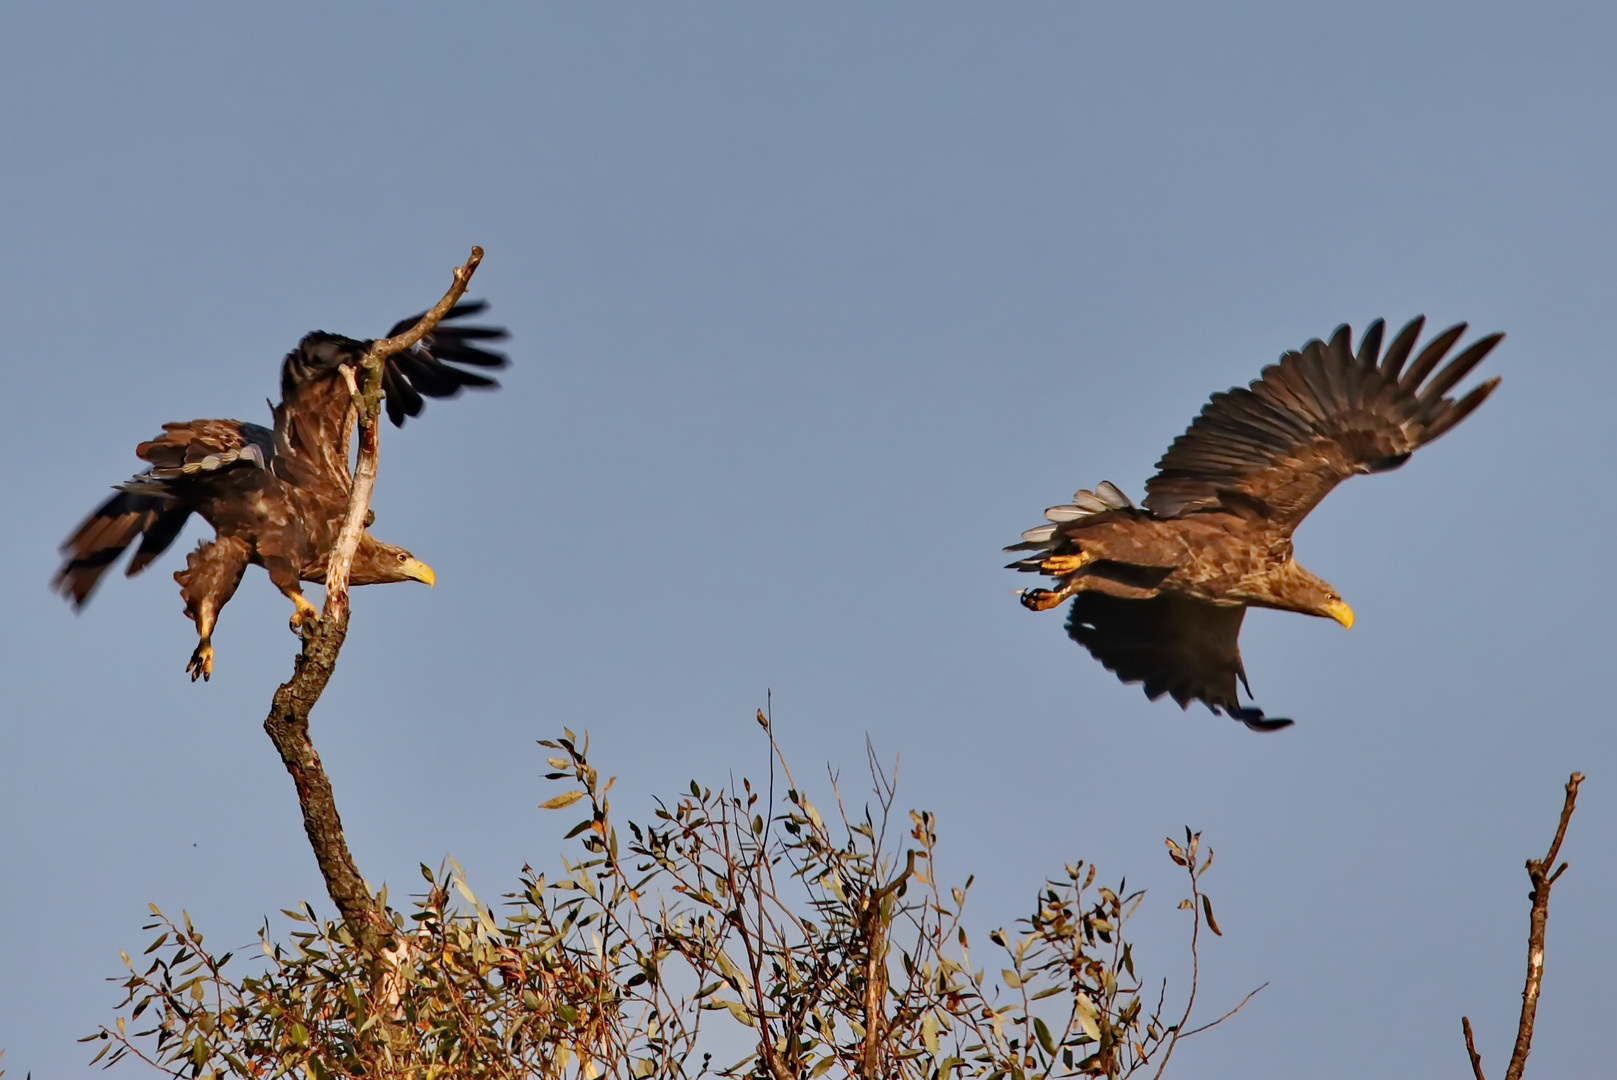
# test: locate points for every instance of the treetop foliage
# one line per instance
(733, 935)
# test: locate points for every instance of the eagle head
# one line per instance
(1293, 588)
(377, 563)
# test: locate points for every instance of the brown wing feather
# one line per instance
(98, 541)
(312, 421)
(1319, 416)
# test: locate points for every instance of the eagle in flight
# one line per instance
(1159, 591)
(275, 496)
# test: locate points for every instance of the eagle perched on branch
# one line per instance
(1159, 591)
(274, 496)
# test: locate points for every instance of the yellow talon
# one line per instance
(1060, 565)
(201, 662)
(1043, 599)
(304, 612)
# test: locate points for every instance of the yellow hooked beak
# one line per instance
(1339, 611)
(420, 571)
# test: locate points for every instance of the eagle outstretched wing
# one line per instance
(196, 459)
(312, 421)
(1188, 649)
(1319, 416)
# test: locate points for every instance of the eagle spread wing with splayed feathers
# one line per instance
(1319, 416)
(1159, 591)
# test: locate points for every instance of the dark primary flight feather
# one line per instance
(426, 368)
(1159, 591)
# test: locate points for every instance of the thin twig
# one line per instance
(1471, 1048)
(1538, 871)
(1238, 1007)
(1195, 955)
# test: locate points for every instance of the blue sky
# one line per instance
(814, 308)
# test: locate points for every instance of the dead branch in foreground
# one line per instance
(1538, 871)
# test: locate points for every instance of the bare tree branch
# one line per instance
(370, 404)
(1191, 843)
(1238, 1007)
(288, 721)
(1539, 873)
(1471, 1048)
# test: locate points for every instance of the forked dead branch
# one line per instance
(1542, 877)
(288, 721)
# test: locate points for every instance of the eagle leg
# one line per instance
(1062, 565)
(284, 575)
(207, 583)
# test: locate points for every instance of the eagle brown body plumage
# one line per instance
(274, 496)
(1159, 591)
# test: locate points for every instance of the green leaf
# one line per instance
(735, 974)
(1043, 1032)
(737, 1010)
